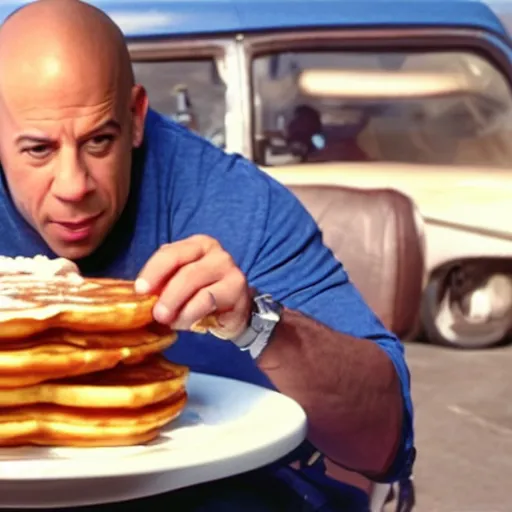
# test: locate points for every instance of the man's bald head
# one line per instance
(70, 110)
(48, 40)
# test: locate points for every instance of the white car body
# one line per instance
(467, 212)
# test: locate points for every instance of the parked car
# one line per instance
(411, 95)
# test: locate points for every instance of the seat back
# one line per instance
(378, 236)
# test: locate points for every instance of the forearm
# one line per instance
(348, 387)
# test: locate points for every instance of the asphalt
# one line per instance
(463, 402)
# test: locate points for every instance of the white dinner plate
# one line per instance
(227, 428)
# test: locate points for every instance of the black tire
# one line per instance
(464, 335)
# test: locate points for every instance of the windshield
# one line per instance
(189, 91)
(449, 108)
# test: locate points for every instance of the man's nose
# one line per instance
(71, 180)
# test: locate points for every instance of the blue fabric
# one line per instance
(182, 186)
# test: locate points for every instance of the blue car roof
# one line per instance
(156, 18)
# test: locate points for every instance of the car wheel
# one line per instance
(480, 317)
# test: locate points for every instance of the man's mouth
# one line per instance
(76, 230)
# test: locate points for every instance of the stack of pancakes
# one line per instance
(81, 363)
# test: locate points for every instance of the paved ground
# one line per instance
(464, 428)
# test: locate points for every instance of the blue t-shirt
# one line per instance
(183, 185)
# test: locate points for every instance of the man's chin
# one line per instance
(72, 251)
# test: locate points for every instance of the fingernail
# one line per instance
(141, 286)
(161, 313)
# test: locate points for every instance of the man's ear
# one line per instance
(139, 108)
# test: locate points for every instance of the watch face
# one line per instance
(258, 323)
(267, 306)
(262, 323)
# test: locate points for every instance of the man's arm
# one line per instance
(330, 352)
(348, 387)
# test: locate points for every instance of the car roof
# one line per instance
(152, 18)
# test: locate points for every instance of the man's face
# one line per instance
(65, 148)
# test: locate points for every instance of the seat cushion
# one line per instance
(378, 236)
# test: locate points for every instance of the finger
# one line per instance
(202, 304)
(165, 262)
(186, 282)
(229, 298)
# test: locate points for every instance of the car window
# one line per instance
(450, 108)
(190, 91)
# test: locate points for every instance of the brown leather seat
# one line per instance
(377, 235)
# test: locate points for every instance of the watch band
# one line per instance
(264, 319)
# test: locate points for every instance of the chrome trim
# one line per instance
(364, 39)
(246, 97)
(173, 48)
(236, 97)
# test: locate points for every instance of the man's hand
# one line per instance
(196, 277)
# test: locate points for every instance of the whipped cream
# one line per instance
(40, 266)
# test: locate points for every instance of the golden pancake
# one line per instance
(80, 361)
(30, 305)
(114, 339)
(152, 381)
(65, 354)
(53, 425)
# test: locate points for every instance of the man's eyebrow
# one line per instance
(41, 139)
(111, 123)
(33, 139)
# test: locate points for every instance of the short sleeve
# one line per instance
(295, 266)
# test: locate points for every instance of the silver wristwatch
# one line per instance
(265, 316)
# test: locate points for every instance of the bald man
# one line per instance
(93, 175)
